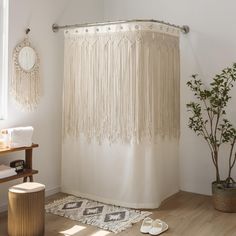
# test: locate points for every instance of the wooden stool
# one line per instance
(26, 209)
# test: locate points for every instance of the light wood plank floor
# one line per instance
(186, 214)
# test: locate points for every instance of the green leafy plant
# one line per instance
(208, 116)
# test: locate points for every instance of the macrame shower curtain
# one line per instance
(121, 94)
(121, 85)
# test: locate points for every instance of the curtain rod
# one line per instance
(55, 27)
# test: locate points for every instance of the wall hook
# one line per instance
(27, 30)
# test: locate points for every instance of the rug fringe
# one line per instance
(57, 202)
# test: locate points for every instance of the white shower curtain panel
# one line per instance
(121, 113)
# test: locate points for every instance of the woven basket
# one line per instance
(224, 199)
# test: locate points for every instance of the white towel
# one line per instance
(20, 136)
(6, 171)
(2, 143)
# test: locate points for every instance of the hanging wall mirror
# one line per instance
(27, 58)
(25, 82)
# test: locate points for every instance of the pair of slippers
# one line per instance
(153, 227)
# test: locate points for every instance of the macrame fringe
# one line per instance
(121, 86)
(25, 89)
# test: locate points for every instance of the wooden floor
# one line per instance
(186, 214)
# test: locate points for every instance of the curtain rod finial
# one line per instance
(185, 29)
(55, 28)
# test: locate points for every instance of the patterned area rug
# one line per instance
(107, 217)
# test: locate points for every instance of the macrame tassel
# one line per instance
(121, 86)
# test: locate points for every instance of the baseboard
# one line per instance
(3, 207)
(52, 191)
(48, 192)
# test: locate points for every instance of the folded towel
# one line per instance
(19, 136)
(6, 171)
(2, 144)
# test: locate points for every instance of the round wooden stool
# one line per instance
(26, 209)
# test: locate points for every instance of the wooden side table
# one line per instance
(28, 172)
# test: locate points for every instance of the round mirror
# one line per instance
(27, 58)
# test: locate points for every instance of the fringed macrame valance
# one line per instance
(122, 82)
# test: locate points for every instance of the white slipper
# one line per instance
(158, 227)
(146, 225)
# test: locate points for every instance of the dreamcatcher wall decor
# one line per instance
(25, 82)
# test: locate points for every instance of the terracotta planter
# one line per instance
(224, 199)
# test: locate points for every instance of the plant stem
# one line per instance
(217, 166)
(210, 115)
(213, 159)
(233, 161)
(206, 134)
(230, 159)
(216, 127)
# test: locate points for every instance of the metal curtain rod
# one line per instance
(55, 28)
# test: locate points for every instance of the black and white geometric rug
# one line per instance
(107, 217)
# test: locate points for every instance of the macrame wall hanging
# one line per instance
(121, 82)
(25, 81)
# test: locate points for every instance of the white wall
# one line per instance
(39, 16)
(208, 48)
(81, 11)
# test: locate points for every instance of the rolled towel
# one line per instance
(19, 136)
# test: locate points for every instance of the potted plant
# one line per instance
(208, 119)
